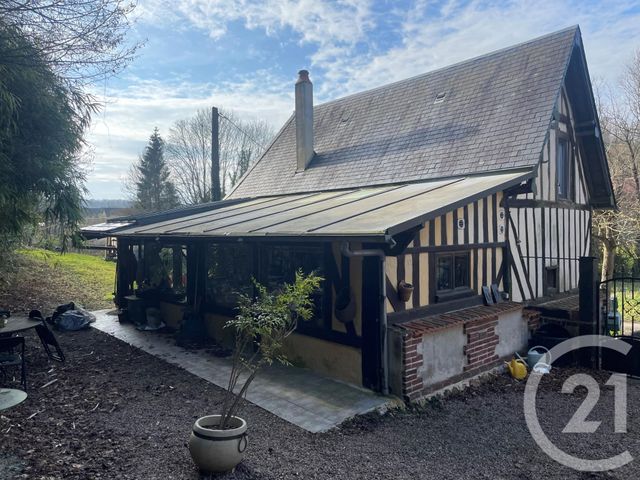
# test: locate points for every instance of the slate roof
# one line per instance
(494, 117)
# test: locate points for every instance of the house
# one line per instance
(408, 199)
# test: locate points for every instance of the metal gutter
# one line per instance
(372, 238)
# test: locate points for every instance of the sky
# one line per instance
(244, 55)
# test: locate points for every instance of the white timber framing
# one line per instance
(544, 231)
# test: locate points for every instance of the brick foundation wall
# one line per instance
(478, 325)
(461, 377)
(411, 362)
(533, 318)
(482, 341)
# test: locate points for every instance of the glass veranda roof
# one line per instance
(359, 213)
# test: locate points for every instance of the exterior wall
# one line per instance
(172, 314)
(443, 355)
(544, 230)
(214, 324)
(483, 234)
(332, 359)
(512, 333)
(431, 353)
(482, 342)
(337, 361)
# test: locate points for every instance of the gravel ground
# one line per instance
(116, 412)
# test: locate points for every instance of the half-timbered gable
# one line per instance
(550, 226)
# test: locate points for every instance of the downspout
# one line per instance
(348, 252)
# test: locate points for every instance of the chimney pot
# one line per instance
(304, 121)
(303, 76)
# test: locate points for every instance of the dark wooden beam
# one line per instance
(528, 203)
(454, 248)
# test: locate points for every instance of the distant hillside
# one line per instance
(108, 203)
(98, 211)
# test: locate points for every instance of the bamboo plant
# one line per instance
(261, 326)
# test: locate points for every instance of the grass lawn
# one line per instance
(44, 279)
(89, 269)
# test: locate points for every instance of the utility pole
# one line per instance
(216, 193)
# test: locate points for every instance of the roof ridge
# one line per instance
(575, 28)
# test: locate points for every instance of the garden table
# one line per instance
(10, 397)
(18, 324)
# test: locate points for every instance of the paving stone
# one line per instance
(299, 396)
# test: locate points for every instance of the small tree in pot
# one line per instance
(262, 325)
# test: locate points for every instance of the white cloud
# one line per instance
(120, 131)
(343, 33)
(461, 30)
(314, 21)
(348, 54)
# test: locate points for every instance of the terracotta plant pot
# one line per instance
(404, 291)
(214, 450)
(345, 310)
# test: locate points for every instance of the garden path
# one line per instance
(299, 396)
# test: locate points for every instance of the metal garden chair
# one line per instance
(9, 357)
(50, 343)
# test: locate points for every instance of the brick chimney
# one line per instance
(304, 121)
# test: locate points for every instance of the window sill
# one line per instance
(450, 295)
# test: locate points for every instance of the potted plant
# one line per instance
(404, 290)
(218, 442)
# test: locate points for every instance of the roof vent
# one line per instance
(440, 97)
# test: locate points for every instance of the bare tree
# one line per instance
(258, 134)
(82, 40)
(619, 230)
(189, 152)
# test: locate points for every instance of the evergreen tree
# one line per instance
(41, 173)
(153, 186)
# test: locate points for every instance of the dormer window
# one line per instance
(440, 97)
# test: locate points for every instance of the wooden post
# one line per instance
(371, 323)
(589, 313)
(176, 261)
(216, 192)
(122, 287)
(588, 289)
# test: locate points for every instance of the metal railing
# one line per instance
(619, 299)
